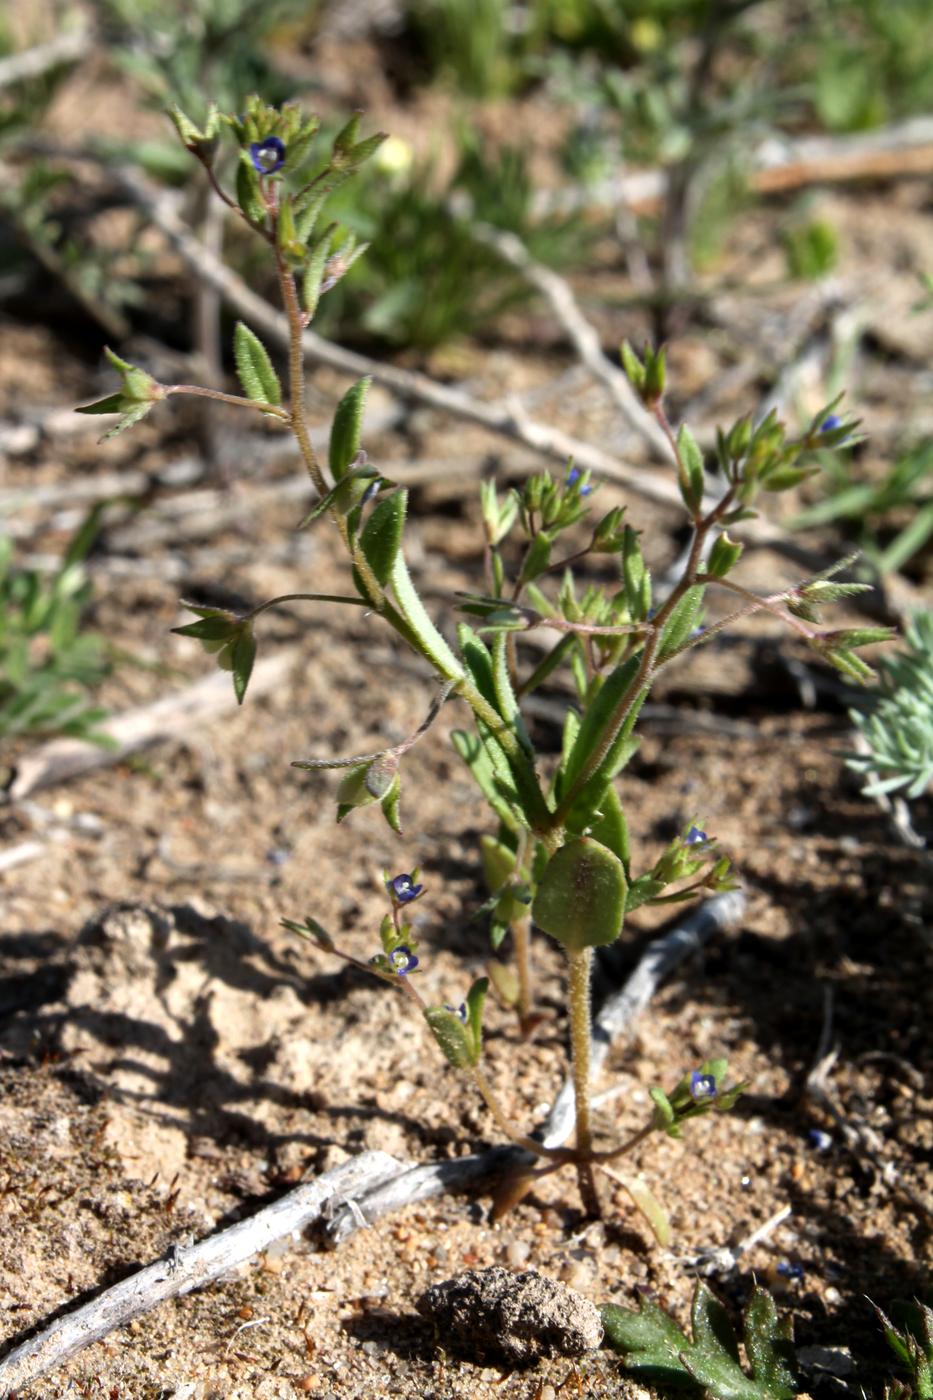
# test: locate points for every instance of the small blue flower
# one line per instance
(459, 1011)
(267, 155)
(794, 1272)
(403, 960)
(695, 837)
(830, 423)
(573, 476)
(403, 889)
(372, 490)
(702, 1086)
(820, 1141)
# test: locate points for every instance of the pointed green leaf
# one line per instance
(381, 537)
(682, 621)
(113, 403)
(710, 1323)
(259, 379)
(769, 1347)
(347, 429)
(248, 192)
(650, 1341)
(473, 752)
(244, 655)
(692, 476)
(390, 806)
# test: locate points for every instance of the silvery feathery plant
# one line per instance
(897, 723)
(560, 858)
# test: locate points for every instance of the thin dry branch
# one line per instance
(184, 1269)
(778, 163)
(32, 63)
(61, 759)
(581, 333)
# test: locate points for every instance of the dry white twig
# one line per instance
(32, 63)
(184, 1269)
(779, 162)
(581, 333)
(722, 1259)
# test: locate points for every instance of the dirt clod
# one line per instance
(515, 1317)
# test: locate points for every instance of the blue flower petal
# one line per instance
(403, 888)
(267, 155)
(403, 960)
(702, 1086)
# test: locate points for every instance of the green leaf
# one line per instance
(710, 1322)
(461, 1043)
(692, 477)
(347, 429)
(473, 752)
(681, 622)
(244, 654)
(248, 192)
(598, 718)
(259, 379)
(644, 1199)
(723, 556)
(636, 580)
(381, 537)
(215, 627)
(506, 703)
(314, 272)
(650, 1341)
(611, 829)
(634, 369)
(346, 495)
(581, 897)
(452, 1036)
(430, 641)
(769, 1347)
(475, 1002)
(537, 557)
(113, 403)
(390, 806)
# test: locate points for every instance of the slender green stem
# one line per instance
(768, 604)
(274, 410)
(521, 944)
(554, 1154)
(628, 1146)
(578, 1000)
(305, 598)
(647, 666)
(296, 375)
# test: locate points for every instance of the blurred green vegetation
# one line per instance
(50, 663)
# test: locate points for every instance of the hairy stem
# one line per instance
(578, 998)
(238, 401)
(554, 1154)
(521, 943)
(296, 376)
